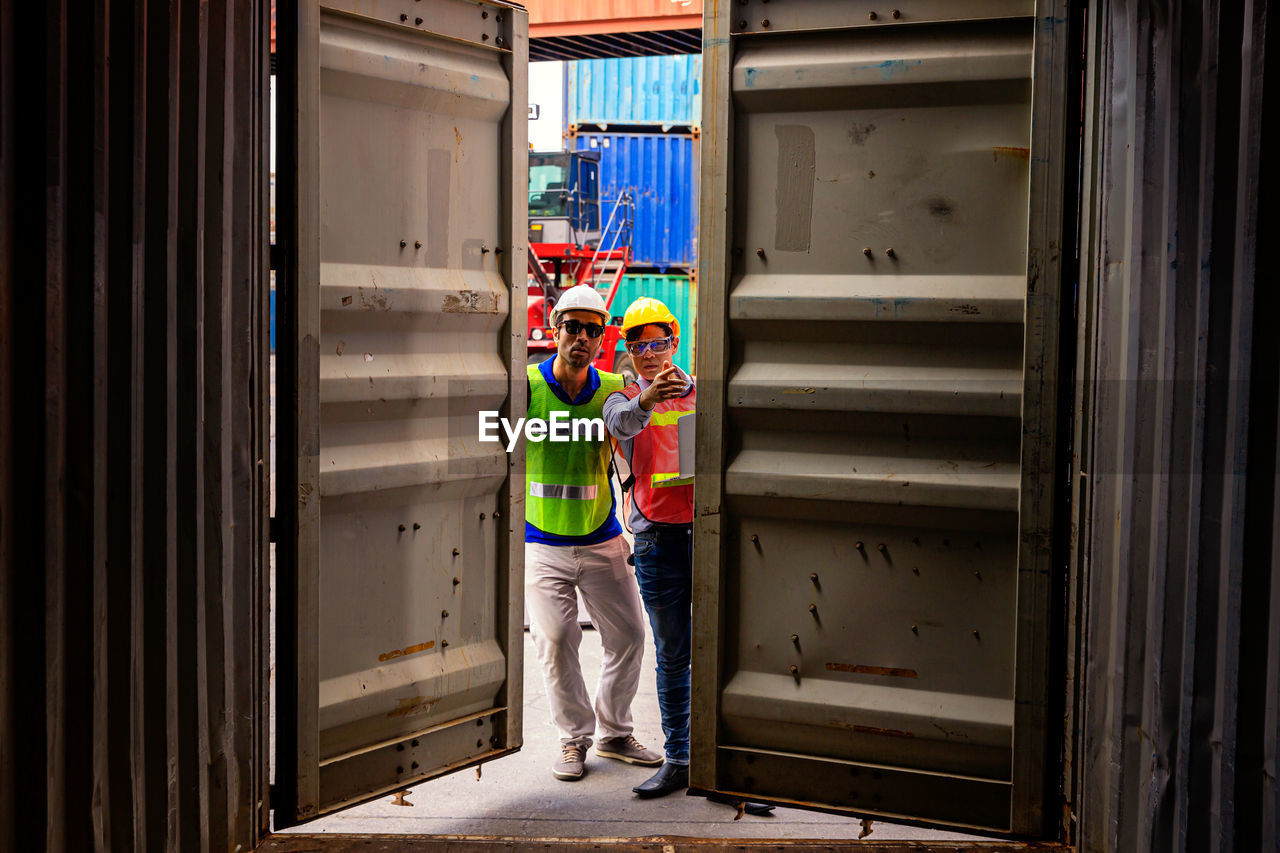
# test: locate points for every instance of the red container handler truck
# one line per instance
(569, 247)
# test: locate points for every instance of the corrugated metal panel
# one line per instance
(676, 293)
(640, 90)
(661, 173)
(878, 269)
(407, 568)
(133, 364)
(1177, 617)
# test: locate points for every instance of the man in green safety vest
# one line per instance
(574, 544)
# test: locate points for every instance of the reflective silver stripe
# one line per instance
(568, 493)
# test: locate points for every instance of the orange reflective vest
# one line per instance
(657, 489)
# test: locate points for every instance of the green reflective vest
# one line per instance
(566, 483)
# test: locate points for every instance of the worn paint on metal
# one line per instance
(407, 650)
(863, 669)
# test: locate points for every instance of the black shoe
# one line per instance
(669, 779)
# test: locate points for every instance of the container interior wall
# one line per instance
(1177, 623)
(874, 421)
(660, 171)
(132, 357)
(662, 91)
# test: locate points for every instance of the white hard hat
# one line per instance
(581, 297)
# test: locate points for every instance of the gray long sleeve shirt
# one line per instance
(625, 418)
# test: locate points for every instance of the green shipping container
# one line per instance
(677, 293)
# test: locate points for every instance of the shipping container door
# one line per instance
(397, 652)
(877, 345)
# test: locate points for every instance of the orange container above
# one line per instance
(588, 17)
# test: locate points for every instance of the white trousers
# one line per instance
(553, 576)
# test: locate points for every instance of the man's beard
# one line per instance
(578, 357)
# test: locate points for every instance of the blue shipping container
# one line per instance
(673, 291)
(660, 170)
(665, 91)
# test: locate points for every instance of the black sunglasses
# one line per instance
(593, 330)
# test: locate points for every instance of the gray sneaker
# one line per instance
(572, 763)
(627, 749)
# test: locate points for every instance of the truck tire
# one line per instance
(622, 365)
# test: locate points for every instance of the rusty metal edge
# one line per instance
(334, 843)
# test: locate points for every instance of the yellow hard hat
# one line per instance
(646, 310)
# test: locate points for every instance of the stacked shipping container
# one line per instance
(647, 91)
(660, 170)
(643, 115)
(677, 293)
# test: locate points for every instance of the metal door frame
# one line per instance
(296, 258)
(1034, 768)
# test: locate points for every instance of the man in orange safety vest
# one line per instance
(644, 419)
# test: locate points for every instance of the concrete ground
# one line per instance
(517, 795)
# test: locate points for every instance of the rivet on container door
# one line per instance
(861, 548)
(760, 254)
(400, 527)
(403, 244)
(755, 540)
(795, 639)
(813, 576)
(417, 526)
(794, 670)
(976, 635)
(915, 629)
(418, 21)
(866, 250)
(456, 581)
(404, 18)
(813, 608)
(889, 251)
(484, 37)
(765, 23)
(871, 16)
(444, 614)
(978, 575)
(882, 548)
(417, 244)
(456, 552)
(484, 15)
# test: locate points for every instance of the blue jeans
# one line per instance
(664, 572)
